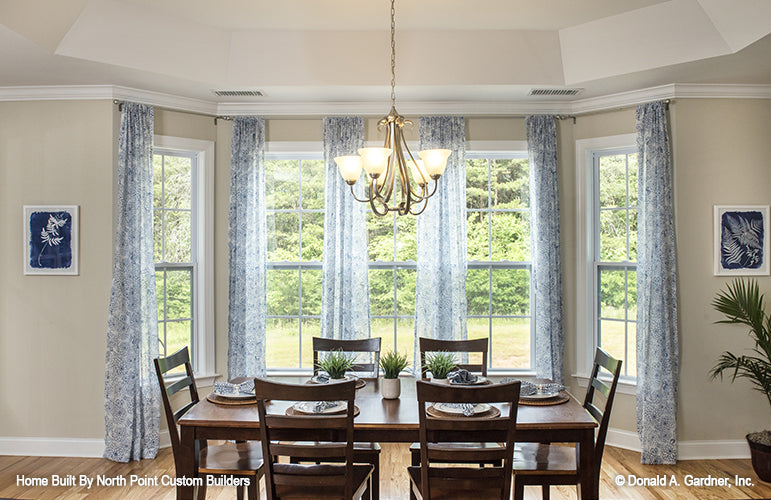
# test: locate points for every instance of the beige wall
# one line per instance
(52, 329)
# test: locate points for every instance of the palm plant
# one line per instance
(742, 303)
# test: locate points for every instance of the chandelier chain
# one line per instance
(393, 54)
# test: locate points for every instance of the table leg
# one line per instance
(186, 461)
(588, 478)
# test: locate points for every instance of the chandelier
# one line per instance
(393, 171)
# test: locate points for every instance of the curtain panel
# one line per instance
(247, 313)
(345, 274)
(132, 395)
(545, 249)
(440, 289)
(657, 342)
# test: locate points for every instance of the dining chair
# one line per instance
(540, 464)
(362, 452)
(319, 438)
(472, 346)
(463, 441)
(231, 459)
(371, 345)
(427, 345)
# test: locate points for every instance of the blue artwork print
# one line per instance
(50, 240)
(741, 240)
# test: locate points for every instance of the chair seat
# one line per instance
(537, 458)
(479, 492)
(361, 474)
(232, 458)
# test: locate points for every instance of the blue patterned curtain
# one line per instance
(345, 296)
(657, 349)
(440, 289)
(545, 251)
(247, 315)
(132, 395)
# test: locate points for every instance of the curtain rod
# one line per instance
(558, 117)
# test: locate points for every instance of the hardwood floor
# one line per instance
(394, 485)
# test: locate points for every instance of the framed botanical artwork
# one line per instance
(741, 240)
(50, 239)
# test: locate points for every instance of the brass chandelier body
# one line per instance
(395, 161)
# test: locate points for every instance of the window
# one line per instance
(610, 275)
(498, 278)
(294, 193)
(181, 230)
(498, 282)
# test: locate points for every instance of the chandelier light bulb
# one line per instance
(350, 168)
(435, 161)
(375, 160)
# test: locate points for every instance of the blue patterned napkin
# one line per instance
(228, 388)
(462, 377)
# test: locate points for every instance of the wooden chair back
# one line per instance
(312, 438)
(371, 345)
(602, 360)
(462, 346)
(162, 367)
(468, 439)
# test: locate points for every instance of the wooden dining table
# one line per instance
(389, 421)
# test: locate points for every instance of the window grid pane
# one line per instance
(615, 174)
(173, 236)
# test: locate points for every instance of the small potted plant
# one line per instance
(392, 364)
(440, 364)
(742, 303)
(336, 363)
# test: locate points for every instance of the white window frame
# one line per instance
(505, 150)
(586, 286)
(203, 249)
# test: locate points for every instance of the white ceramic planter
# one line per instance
(390, 388)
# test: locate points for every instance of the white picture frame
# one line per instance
(741, 245)
(51, 239)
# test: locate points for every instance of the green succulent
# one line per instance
(440, 363)
(336, 363)
(393, 363)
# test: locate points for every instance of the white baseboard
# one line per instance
(64, 447)
(60, 447)
(686, 450)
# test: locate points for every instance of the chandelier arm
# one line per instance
(365, 200)
(404, 179)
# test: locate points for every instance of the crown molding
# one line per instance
(376, 108)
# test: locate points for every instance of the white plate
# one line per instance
(541, 395)
(455, 408)
(309, 407)
(480, 380)
(234, 395)
(315, 380)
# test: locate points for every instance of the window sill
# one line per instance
(203, 380)
(626, 385)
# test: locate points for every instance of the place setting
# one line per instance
(320, 408)
(468, 410)
(229, 394)
(324, 378)
(465, 377)
(540, 394)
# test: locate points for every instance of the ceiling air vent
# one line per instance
(238, 93)
(555, 92)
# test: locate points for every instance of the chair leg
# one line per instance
(239, 493)
(519, 489)
(375, 489)
(253, 491)
(202, 490)
(545, 491)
